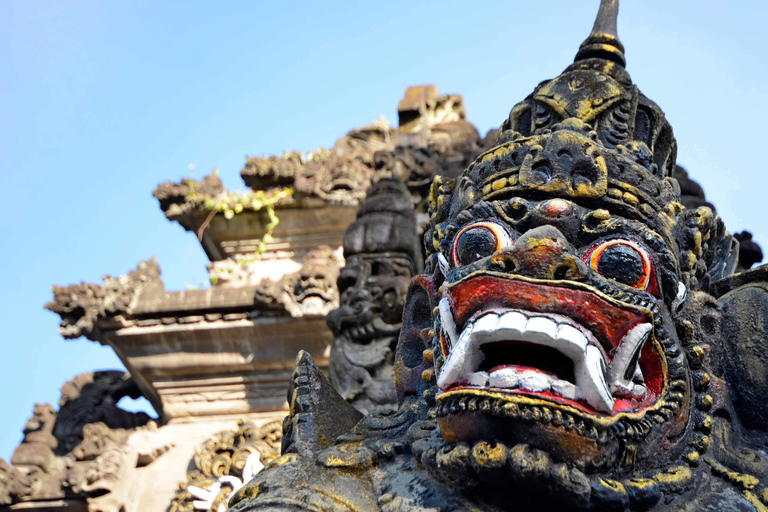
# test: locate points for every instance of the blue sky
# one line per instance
(101, 101)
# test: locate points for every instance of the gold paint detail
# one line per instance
(672, 478)
(514, 404)
(754, 501)
(693, 458)
(348, 455)
(705, 402)
(489, 455)
(745, 482)
(225, 454)
(288, 458)
(499, 184)
(630, 198)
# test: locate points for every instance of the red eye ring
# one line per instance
(500, 235)
(645, 281)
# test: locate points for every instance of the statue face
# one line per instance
(372, 289)
(313, 290)
(555, 324)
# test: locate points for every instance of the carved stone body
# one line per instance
(579, 339)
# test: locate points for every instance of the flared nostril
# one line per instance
(561, 272)
(502, 263)
(568, 268)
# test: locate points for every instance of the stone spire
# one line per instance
(603, 42)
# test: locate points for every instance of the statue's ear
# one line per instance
(743, 302)
(422, 298)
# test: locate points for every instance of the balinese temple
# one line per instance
(215, 363)
(316, 255)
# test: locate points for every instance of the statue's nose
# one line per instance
(542, 253)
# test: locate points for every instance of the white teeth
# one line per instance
(512, 326)
(573, 342)
(534, 381)
(505, 378)
(591, 380)
(485, 326)
(446, 320)
(594, 382)
(479, 379)
(541, 329)
(626, 355)
(510, 378)
(566, 389)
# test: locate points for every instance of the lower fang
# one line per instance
(566, 389)
(590, 379)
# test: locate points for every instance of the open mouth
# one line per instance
(566, 345)
(313, 292)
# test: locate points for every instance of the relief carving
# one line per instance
(82, 306)
(311, 290)
(13, 483)
(91, 398)
(85, 450)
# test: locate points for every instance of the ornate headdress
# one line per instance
(591, 137)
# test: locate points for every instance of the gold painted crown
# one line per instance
(588, 135)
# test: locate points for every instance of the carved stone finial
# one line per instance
(603, 42)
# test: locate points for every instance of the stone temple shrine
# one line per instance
(216, 363)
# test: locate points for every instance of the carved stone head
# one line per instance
(559, 267)
(313, 289)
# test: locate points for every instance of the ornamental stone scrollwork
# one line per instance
(84, 451)
(14, 484)
(579, 339)
(36, 449)
(340, 175)
(91, 398)
(224, 462)
(82, 306)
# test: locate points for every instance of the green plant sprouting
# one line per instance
(235, 202)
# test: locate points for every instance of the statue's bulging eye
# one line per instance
(478, 241)
(623, 261)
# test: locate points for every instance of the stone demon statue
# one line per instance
(579, 339)
(382, 255)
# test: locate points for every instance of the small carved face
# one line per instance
(313, 288)
(372, 289)
(315, 282)
(95, 440)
